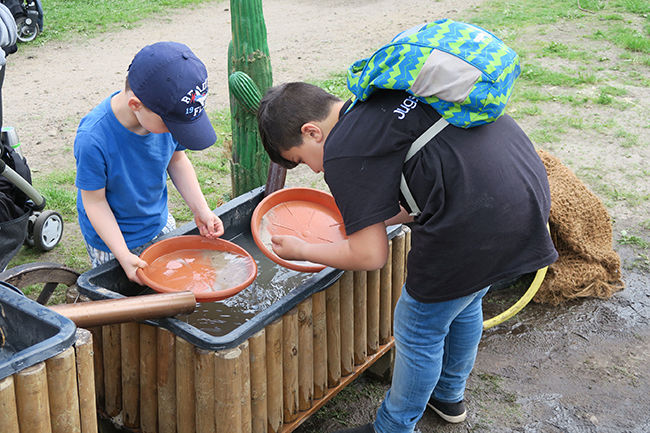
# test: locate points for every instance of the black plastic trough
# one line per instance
(109, 281)
(29, 332)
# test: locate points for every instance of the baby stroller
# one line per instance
(21, 218)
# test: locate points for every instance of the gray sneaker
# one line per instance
(450, 412)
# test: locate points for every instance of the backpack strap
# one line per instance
(418, 144)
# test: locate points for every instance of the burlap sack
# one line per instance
(582, 233)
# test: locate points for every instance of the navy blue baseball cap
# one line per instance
(173, 83)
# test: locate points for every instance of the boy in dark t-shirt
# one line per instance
(484, 200)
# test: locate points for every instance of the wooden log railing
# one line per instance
(54, 396)
(272, 382)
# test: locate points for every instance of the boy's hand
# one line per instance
(209, 224)
(131, 263)
(363, 250)
(288, 247)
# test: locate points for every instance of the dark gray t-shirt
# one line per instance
(483, 193)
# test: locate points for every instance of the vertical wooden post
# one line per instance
(274, 380)
(204, 388)
(227, 391)
(166, 381)
(305, 355)
(398, 272)
(290, 364)
(347, 323)
(98, 366)
(258, 382)
(8, 406)
(373, 311)
(320, 343)
(185, 404)
(245, 368)
(63, 393)
(360, 281)
(275, 179)
(130, 355)
(8, 409)
(32, 400)
(386, 296)
(85, 381)
(333, 303)
(148, 379)
(112, 369)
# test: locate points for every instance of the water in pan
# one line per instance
(200, 270)
(272, 283)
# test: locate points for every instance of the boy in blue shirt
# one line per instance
(484, 199)
(126, 146)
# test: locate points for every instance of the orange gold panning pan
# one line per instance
(306, 213)
(213, 269)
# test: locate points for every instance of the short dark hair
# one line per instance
(283, 111)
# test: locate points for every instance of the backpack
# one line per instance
(465, 72)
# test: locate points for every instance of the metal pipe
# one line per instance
(129, 309)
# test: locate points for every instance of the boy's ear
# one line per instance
(312, 130)
(134, 103)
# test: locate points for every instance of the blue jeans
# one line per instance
(436, 347)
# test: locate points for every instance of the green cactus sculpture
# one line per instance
(245, 91)
(249, 69)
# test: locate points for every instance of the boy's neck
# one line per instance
(333, 117)
(124, 115)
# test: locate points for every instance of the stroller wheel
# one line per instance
(48, 230)
(29, 238)
(26, 28)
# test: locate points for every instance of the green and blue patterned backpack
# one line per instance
(465, 72)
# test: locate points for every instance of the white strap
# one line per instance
(406, 192)
(415, 148)
(426, 137)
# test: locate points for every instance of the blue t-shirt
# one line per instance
(133, 170)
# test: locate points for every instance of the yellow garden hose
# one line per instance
(522, 302)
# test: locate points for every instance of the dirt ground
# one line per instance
(579, 367)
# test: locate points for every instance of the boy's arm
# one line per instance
(402, 217)
(364, 250)
(184, 178)
(103, 220)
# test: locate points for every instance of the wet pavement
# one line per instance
(582, 366)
